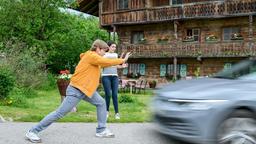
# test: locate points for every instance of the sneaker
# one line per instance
(117, 116)
(107, 114)
(105, 134)
(33, 137)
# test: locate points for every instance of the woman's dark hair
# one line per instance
(110, 43)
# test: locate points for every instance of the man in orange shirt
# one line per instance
(83, 85)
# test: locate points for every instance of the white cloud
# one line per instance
(75, 12)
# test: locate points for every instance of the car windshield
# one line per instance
(243, 70)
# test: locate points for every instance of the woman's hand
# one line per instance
(122, 55)
(124, 65)
(127, 55)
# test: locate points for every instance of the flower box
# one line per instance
(162, 41)
(236, 36)
(211, 38)
(188, 39)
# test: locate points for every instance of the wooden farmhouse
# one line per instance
(178, 38)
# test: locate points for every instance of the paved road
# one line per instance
(83, 133)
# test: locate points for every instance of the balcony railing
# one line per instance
(213, 9)
(225, 49)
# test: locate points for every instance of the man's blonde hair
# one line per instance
(99, 43)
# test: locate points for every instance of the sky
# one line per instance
(75, 12)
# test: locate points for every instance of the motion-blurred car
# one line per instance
(219, 109)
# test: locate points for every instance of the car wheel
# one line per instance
(238, 128)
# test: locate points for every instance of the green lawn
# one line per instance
(48, 101)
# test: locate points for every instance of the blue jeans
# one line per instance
(110, 84)
(73, 97)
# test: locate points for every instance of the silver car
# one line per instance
(219, 109)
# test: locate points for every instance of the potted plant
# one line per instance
(62, 83)
(152, 83)
(130, 75)
(197, 72)
(169, 77)
(188, 39)
(236, 36)
(211, 38)
(142, 41)
(163, 40)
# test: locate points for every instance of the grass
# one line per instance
(47, 101)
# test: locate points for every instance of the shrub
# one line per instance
(20, 101)
(28, 92)
(17, 98)
(102, 93)
(26, 64)
(6, 82)
(50, 83)
(126, 99)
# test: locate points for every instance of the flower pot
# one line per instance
(62, 86)
(152, 85)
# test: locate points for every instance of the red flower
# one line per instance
(64, 72)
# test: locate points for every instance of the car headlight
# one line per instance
(197, 104)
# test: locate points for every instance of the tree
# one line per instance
(41, 25)
(36, 33)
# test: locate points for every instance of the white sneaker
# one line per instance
(107, 114)
(33, 137)
(105, 134)
(117, 116)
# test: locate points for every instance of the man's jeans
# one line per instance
(73, 97)
(110, 84)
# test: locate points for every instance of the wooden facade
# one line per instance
(178, 37)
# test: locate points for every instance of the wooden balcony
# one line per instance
(225, 49)
(215, 9)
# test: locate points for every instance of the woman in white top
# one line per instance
(110, 80)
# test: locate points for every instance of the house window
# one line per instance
(227, 32)
(227, 66)
(123, 4)
(174, 2)
(168, 70)
(193, 34)
(135, 69)
(137, 37)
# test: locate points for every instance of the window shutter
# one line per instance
(162, 70)
(142, 69)
(125, 71)
(183, 70)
